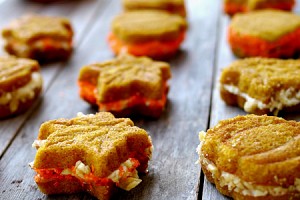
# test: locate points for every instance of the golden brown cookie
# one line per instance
(253, 157)
(92, 153)
(20, 85)
(43, 38)
(126, 85)
(261, 85)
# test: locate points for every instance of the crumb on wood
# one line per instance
(33, 187)
(16, 181)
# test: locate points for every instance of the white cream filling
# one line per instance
(38, 143)
(24, 49)
(80, 114)
(128, 180)
(22, 94)
(236, 184)
(283, 98)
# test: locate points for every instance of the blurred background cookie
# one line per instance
(126, 85)
(253, 157)
(262, 85)
(266, 33)
(232, 7)
(172, 6)
(152, 33)
(20, 85)
(43, 38)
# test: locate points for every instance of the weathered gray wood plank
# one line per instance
(172, 173)
(219, 109)
(80, 14)
(9, 10)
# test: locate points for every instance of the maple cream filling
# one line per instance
(282, 98)
(22, 94)
(236, 184)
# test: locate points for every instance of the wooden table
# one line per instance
(193, 101)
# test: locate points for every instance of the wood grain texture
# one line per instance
(219, 109)
(172, 173)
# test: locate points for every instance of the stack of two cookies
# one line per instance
(149, 28)
(30, 39)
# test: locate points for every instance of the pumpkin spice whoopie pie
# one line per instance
(172, 6)
(126, 85)
(232, 7)
(20, 85)
(153, 33)
(43, 38)
(262, 85)
(92, 153)
(265, 33)
(253, 157)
